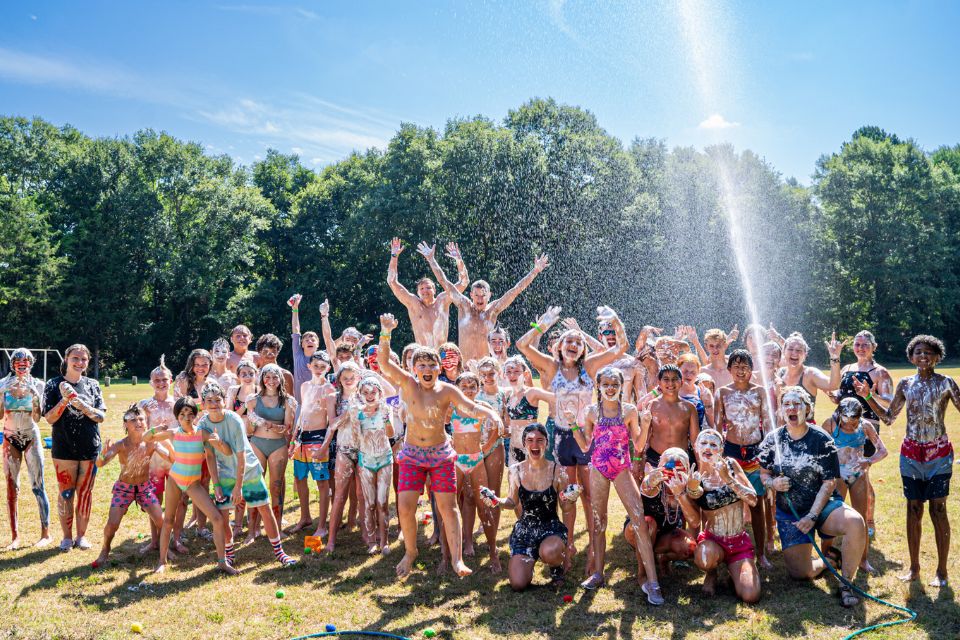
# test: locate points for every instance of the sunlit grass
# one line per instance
(47, 594)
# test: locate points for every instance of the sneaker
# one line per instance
(66, 544)
(206, 534)
(595, 581)
(82, 543)
(654, 595)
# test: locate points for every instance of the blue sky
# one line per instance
(790, 81)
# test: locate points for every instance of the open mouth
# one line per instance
(535, 453)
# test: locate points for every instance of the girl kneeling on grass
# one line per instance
(184, 477)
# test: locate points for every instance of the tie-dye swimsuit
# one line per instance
(611, 445)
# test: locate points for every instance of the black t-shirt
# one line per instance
(808, 462)
(75, 436)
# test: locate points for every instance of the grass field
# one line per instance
(49, 594)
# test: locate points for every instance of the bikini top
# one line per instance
(273, 414)
(464, 424)
(582, 382)
(578, 392)
(13, 403)
(373, 422)
(698, 403)
(523, 410)
(713, 499)
(844, 439)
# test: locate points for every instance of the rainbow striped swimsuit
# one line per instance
(187, 458)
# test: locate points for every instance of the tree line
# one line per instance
(145, 244)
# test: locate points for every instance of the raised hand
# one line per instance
(645, 416)
(541, 263)
(780, 483)
(453, 251)
(834, 347)
(325, 308)
(677, 484)
(388, 323)
(773, 334)
(549, 318)
(725, 469)
(427, 251)
(396, 247)
(693, 480)
(863, 388)
(294, 301)
(734, 334)
(571, 323)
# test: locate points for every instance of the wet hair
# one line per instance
(242, 328)
(480, 284)
(804, 397)
(934, 343)
(771, 345)
(869, 337)
(715, 334)
(322, 356)
(407, 350)
(134, 409)
(797, 337)
(849, 407)
(530, 428)
(161, 368)
(346, 366)
(608, 372)
(343, 348)
(468, 375)
(282, 394)
(739, 355)
(221, 343)
(488, 361)
(308, 333)
(688, 357)
(501, 331)
(425, 279)
(371, 381)
(188, 368)
(212, 388)
(709, 433)
(583, 351)
(71, 349)
(248, 364)
(425, 353)
(185, 402)
(515, 360)
(669, 367)
(271, 341)
(449, 346)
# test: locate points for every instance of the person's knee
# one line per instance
(938, 509)
(750, 594)
(519, 584)
(915, 509)
(682, 547)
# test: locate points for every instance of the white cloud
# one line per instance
(717, 121)
(33, 17)
(297, 150)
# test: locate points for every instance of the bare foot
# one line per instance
(224, 566)
(373, 549)
(406, 565)
(770, 548)
(99, 562)
(320, 533)
(468, 550)
(179, 547)
(461, 569)
(250, 538)
(14, 545)
(910, 576)
(495, 567)
(764, 563)
(710, 583)
(300, 526)
(938, 581)
(434, 538)
(43, 542)
(160, 568)
(329, 549)
(866, 566)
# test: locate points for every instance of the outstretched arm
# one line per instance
(504, 301)
(463, 278)
(328, 342)
(294, 303)
(388, 367)
(430, 253)
(393, 275)
(888, 415)
(529, 342)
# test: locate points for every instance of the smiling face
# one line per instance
(670, 382)
(371, 394)
(219, 353)
(319, 368)
(135, 424)
(863, 348)
(513, 372)
(535, 444)
(213, 403)
(480, 296)
(470, 388)
(741, 371)
(77, 362)
(271, 381)
(924, 356)
(241, 339)
(709, 447)
(246, 375)
(268, 355)
(349, 379)
(771, 357)
(607, 334)
(794, 353)
(794, 408)
(160, 381)
(714, 347)
(21, 367)
(488, 376)
(571, 348)
(498, 344)
(186, 418)
(427, 291)
(610, 387)
(201, 367)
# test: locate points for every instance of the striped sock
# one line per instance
(229, 552)
(282, 557)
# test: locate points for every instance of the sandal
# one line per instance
(847, 597)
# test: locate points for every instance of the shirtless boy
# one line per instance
(478, 314)
(241, 337)
(675, 422)
(426, 449)
(741, 412)
(715, 343)
(429, 312)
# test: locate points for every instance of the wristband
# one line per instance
(869, 395)
(695, 494)
(813, 516)
(295, 310)
(536, 326)
(384, 336)
(576, 428)
(393, 255)
(834, 360)
(636, 459)
(655, 393)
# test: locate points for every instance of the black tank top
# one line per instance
(540, 506)
(847, 391)
(813, 394)
(713, 499)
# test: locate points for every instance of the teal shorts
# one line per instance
(254, 492)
